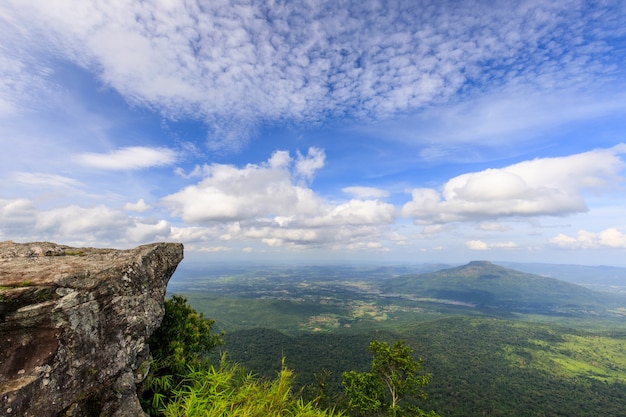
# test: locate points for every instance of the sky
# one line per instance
(317, 131)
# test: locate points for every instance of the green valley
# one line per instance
(497, 341)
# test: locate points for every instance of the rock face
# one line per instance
(74, 325)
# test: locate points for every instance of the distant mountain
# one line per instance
(485, 285)
(578, 274)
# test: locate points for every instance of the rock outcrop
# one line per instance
(74, 325)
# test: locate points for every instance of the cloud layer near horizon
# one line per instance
(271, 202)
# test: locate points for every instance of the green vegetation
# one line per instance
(483, 284)
(178, 345)
(183, 382)
(480, 366)
(359, 300)
(556, 350)
(230, 391)
(394, 376)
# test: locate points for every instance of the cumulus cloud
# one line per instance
(130, 158)
(480, 245)
(17, 217)
(148, 232)
(90, 224)
(608, 238)
(266, 202)
(85, 226)
(140, 206)
(307, 165)
(476, 245)
(540, 187)
(236, 65)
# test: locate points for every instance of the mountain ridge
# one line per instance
(487, 285)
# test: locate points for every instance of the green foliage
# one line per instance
(394, 376)
(183, 338)
(230, 391)
(480, 366)
(181, 343)
(365, 390)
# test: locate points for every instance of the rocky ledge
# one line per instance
(74, 325)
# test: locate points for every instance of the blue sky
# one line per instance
(361, 131)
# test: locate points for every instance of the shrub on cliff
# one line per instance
(180, 344)
(229, 391)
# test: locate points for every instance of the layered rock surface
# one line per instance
(74, 325)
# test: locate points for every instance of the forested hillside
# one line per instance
(480, 366)
(498, 342)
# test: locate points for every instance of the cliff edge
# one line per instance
(74, 325)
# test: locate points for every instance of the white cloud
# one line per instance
(608, 238)
(148, 232)
(366, 192)
(476, 245)
(237, 65)
(213, 249)
(540, 187)
(231, 194)
(505, 245)
(22, 220)
(140, 206)
(130, 158)
(517, 113)
(480, 245)
(17, 218)
(45, 180)
(307, 165)
(80, 223)
(264, 202)
(493, 227)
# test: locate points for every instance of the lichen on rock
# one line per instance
(74, 325)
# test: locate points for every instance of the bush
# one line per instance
(230, 391)
(181, 343)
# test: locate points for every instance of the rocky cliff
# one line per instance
(74, 324)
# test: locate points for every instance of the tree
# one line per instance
(394, 376)
(181, 343)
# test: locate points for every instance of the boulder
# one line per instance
(74, 325)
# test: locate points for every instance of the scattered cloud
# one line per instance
(476, 245)
(303, 62)
(608, 238)
(480, 245)
(140, 206)
(539, 187)
(265, 202)
(493, 227)
(141, 232)
(214, 249)
(130, 158)
(16, 217)
(366, 192)
(45, 180)
(307, 165)
(396, 88)
(84, 226)
(500, 118)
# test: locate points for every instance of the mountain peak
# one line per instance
(479, 263)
